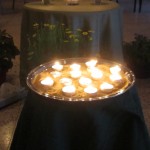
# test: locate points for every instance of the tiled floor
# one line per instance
(132, 23)
(8, 120)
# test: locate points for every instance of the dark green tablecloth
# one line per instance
(112, 124)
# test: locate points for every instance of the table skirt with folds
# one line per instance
(112, 124)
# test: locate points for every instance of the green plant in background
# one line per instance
(8, 51)
(137, 54)
(57, 41)
(137, 51)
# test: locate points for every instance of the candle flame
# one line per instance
(75, 67)
(91, 63)
(115, 77)
(115, 69)
(57, 66)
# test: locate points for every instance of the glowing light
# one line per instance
(55, 74)
(91, 63)
(96, 73)
(47, 81)
(57, 66)
(106, 87)
(66, 81)
(75, 67)
(75, 74)
(69, 90)
(115, 77)
(84, 81)
(90, 89)
(115, 69)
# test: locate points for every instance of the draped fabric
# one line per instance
(104, 20)
(112, 124)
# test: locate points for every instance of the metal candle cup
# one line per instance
(69, 90)
(115, 69)
(75, 74)
(48, 81)
(55, 74)
(91, 90)
(75, 67)
(106, 87)
(84, 81)
(66, 81)
(57, 66)
(91, 63)
(115, 77)
(96, 74)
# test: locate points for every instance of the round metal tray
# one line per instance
(129, 80)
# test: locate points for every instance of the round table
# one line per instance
(52, 120)
(112, 124)
(103, 20)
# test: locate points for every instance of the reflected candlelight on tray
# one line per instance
(80, 79)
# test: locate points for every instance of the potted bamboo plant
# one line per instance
(8, 51)
(137, 55)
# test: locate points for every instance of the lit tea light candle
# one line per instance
(66, 81)
(84, 81)
(96, 74)
(91, 63)
(115, 69)
(47, 81)
(106, 87)
(75, 73)
(55, 74)
(57, 66)
(90, 90)
(69, 90)
(115, 77)
(91, 69)
(75, 67)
